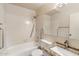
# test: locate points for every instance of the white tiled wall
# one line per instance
(16, 29)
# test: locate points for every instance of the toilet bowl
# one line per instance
(37, 52)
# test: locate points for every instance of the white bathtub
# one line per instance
(24, 49)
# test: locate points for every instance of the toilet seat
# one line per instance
(37, 52)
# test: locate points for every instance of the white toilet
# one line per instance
(37, 52)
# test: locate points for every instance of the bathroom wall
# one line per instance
(17, 29)
(1, 11)
(62, 17)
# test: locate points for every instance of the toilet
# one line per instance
(37, 52)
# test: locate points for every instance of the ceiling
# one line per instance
(32, 6)
(40, 7)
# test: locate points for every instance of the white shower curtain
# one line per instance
(0, 38)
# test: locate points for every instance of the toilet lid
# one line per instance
(37, 52)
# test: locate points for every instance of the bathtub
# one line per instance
(23, 49)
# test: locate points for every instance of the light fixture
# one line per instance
(59, 4)
(27, 22)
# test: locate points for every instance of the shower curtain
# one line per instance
(1, 38)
